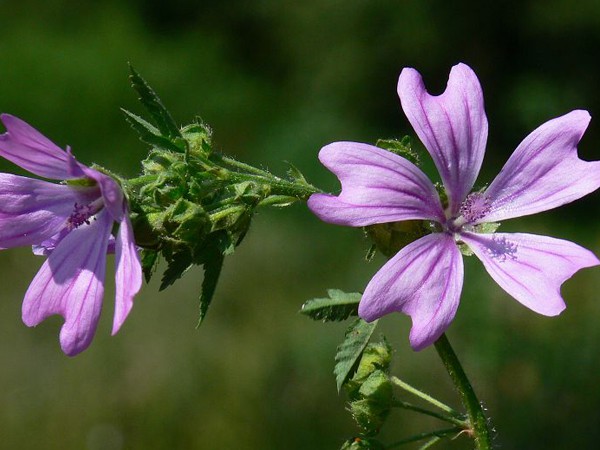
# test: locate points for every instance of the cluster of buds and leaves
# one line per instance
(193, 205)
(362, 369)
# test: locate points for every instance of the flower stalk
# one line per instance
(479, 423)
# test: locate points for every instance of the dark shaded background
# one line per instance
(277, 80)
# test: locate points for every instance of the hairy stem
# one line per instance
(479, 425)
(421, 436)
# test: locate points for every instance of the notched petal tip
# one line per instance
(423, 281)
(452, 126)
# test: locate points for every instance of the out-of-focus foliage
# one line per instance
(276, 80)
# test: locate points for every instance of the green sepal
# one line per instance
(351, 349)
(339, 305)
(150, 134)
(295, 174)
(486, 227)
(402, 147)
(375, 403)
(465, 250)
(162, 118)
(376, 356)
(391, 237)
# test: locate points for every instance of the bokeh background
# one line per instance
(277, 80)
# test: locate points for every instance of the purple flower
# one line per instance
(72, 223)
(424, 279)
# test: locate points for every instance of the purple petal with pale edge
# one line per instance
(32, 211)
(452, 126)
(533, 271)
(71, 283)
(111, 192)
(128, 272)
(544, 171)
(28, 148)
(377, 187)
(424, 280)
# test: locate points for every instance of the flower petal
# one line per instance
(452, 126)
(424, 280)
(128, 272)
(544, 171)
(529, 267)
(377, 187)
(32, 211)
(28, 148)
(71, 283)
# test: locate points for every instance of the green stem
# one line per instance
(422, 395)
(419, 437)
(480, 430)
(278, 185)
(450, 419)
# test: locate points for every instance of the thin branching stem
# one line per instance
(446, 418)
(423, 396)
(428, 434)
(479, 423)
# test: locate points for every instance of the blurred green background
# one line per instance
(277, 80)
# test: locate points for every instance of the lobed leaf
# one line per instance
(338, 306)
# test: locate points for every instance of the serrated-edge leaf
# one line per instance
(175, 270)
(154, 106)
(212, 271)
(149, 259)
(149, 133)
(351, 349)
(337, 307)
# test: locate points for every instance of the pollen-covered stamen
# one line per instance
(475, 207)
(501, 248)
(83, 213)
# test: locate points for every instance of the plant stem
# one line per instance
(422, 395)
(446, 418)
(479, 426)
(428, 434)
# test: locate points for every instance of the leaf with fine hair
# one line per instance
(339, 305)
(150, 134)
(351, 349)
(212, 271)
(152, 103)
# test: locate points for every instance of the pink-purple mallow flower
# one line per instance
(424, 279)
(72, 223)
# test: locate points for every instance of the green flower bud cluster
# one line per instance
(192, 205)
(370, 390)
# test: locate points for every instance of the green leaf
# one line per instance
(149, 133)
(178, 264)
(350, 351)
(338, 306)
(149, 259)
(295, 174)
(212, 271)
(154, 106)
